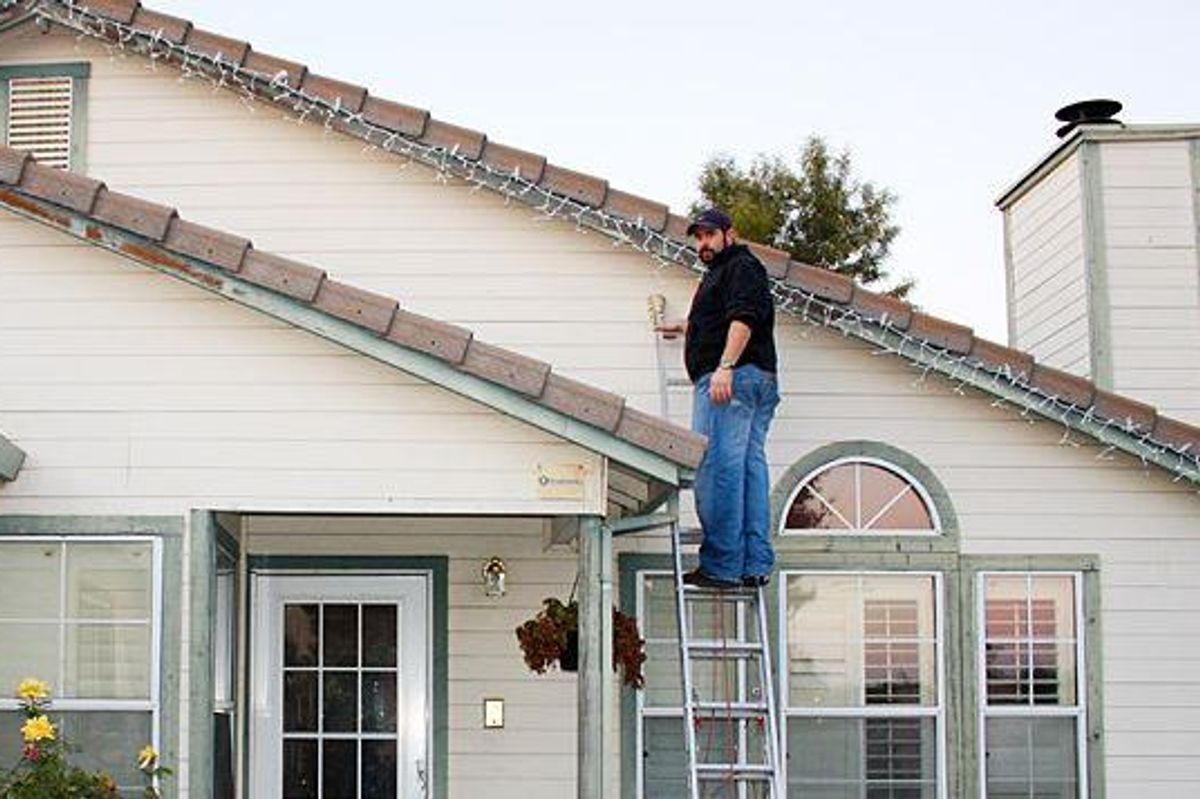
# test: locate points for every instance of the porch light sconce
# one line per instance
(494, 573)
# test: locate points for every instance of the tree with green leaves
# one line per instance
(819, 212)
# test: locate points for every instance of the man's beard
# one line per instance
(706, 254)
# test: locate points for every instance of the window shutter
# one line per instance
(39, 118)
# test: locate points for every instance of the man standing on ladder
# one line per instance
(729, 352)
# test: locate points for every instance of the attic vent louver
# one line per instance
(1087, 112)
(39, 118)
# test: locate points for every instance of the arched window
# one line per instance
(859, 495)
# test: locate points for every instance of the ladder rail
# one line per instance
(773, 731)
(689, 709)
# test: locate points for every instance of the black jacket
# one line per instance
(734, 287)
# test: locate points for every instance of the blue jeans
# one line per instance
(733, 485)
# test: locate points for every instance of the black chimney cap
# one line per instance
(1087, 112)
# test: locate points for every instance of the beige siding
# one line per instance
(1047, 258)
(1153, 272)
(135, 393)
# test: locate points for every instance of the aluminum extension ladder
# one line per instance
(745, 716)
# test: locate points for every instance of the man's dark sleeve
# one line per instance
(748, 298)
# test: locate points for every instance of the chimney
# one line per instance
(1087, 112)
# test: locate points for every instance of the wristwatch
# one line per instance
(726, 364)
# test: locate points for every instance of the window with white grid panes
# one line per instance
(1031, 667)
(863, 690)
(859, 496)
(83, 614)
(662, 765)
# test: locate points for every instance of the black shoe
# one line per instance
(756, 580)
(702, 579)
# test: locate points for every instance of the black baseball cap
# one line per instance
(710, 219)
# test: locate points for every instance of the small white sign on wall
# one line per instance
(560, 480)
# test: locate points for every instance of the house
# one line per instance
(271, 394)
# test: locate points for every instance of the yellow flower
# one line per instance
(32, 690)
(147, 757)
(37, 729)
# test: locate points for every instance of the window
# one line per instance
(1031, 666)
(83, 614)
(863, 697)
(859, 495)
(43, 111)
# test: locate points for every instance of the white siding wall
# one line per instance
(1047, 258)
(1153, 272)
(545, 289)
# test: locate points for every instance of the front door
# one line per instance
(339, 695)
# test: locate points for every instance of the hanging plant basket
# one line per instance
(551, 638)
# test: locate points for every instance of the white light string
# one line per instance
(961, 370)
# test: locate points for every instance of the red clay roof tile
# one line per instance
(775, 261)
(942, 333)
(59, 186)
(1068, 387)
(997, 357)
(172, 29)
(215, 246)
(401, 118)
(117, 10)
(350, 96)
(212, 44)
(824, 283)
(518, 372)
(282, 274)
(576, 185)
(1182, 436)
(363, 308)
(271, 66)
(659, 435)
(466, 142)
(1124, 410)
(583, 402)
(133, 213)
(881, 308)
(503, 158)
(439, 339)
(12, 164)
(637, 209)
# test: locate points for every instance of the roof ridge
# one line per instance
(163, 233)
(817, 294)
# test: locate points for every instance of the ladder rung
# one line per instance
(718, 647)
(737, 594)
(732, 708)
(691, 535)
(749, 771)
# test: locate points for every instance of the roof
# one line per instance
(818, 295)
(161, 238)
(11, 458)
(1085, 133)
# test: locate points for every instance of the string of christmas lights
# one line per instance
(962, 371)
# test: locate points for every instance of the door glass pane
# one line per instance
(300, 701)
(379, 635)
(339, 766)
(340, 630)
(299, 769)
(300, 641)
(108, 661)
(109, 581)
(28, 650)
(379, 701)
(379, 770)
(664, 759)
(659, 614)
(29, 581)
(1031, 757)
(340, 701)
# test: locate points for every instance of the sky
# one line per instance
(944, 103)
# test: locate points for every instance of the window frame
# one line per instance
(154, 703)
(939, 711)
(80, 73)
(1080, 711)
